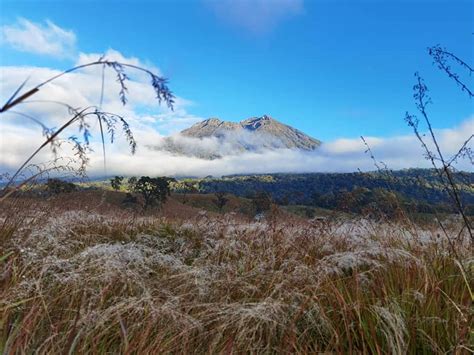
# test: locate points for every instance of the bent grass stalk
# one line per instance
(159, 84)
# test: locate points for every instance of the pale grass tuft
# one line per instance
(83, 282)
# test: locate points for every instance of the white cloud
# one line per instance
(337, 156)
(45, 39)
(342, 155)
(146, 117)
(83, 88)
(151, 122)
(256, 16)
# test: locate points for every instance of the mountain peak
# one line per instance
(254, 123)
(212, 120)
(265, 129)
(262, 118)
(253, 134)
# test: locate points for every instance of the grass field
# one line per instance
(80, 274)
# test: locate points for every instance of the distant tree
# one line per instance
(327, 200)
(220, 200)
(129, 199)
(470, 210)
(57, 186)
(155, 191)
(187, 188)
(309, 213)
(424, 207)
(285, 200)
(250, 194)
(262, 202)
(132, 181)
(116, 182)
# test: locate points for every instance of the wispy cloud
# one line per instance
(83, 89)
(340, 155)
(255, 16)
(151, 123)
(39, 38)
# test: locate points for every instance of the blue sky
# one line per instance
(335, 69)
(330, 68)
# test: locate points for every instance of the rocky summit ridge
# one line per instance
(214, 138)
(274, 134)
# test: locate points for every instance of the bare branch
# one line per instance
(441, 58)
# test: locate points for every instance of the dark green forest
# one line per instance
(418, 190)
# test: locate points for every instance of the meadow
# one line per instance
(82, 274)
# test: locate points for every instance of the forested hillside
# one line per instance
(418, 188)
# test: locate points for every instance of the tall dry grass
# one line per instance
(82, 282)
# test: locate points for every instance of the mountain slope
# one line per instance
(213, 138)
(283, 136)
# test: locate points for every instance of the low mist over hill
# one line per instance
(213, 138)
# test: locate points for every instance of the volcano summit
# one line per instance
(214, 138)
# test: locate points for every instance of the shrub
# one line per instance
(221, 200)
(155, 191)
(132, 181)
(262, 202)
(129, 199)
(116, 182)
(57, 186)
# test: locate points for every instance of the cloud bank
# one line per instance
(341, 155)
(152, 124)
(45, 39)
(232, 142)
